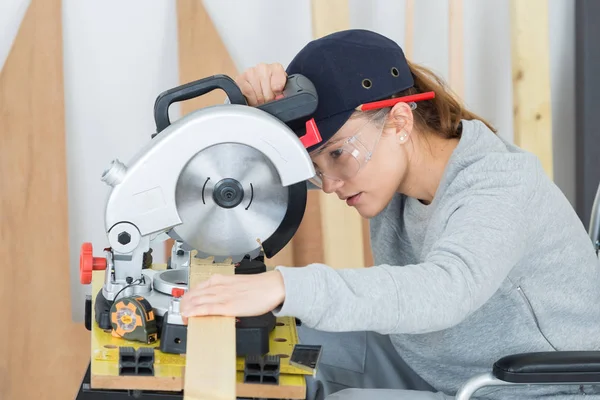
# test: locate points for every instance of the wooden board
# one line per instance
(44, 353)
(409, 29)
(308, 241)
(170, 368)
(456, 48)
(210, 355)
(342, 227)
(202, 53)
(329, 16)
(531, 79)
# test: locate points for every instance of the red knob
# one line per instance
(88, 263)
(177, 292)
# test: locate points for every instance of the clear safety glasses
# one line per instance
(341, 160)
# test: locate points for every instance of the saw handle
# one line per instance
(299, 100)
(191, 90)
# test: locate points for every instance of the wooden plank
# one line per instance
(308, 241)
(367, 252)
(44, 353)
(342, 234)
(210, 368)
(342, 227)
(329, 16)
(409, 29)
(531, 79)
(587, 104)
(456, 48)
(202, 53)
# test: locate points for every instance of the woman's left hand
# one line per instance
(235, 295)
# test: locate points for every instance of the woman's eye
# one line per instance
(336, 153)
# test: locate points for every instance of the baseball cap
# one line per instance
(349, 68)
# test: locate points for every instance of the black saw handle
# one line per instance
(191, 90)
(299, 98)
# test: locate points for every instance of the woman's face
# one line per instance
(365, 162)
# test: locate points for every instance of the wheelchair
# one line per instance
(544, 368)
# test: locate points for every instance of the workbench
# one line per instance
(102, 379)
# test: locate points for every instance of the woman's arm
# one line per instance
(484, 238)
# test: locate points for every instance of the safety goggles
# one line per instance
(342, 159)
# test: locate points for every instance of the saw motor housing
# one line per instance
(165, 192)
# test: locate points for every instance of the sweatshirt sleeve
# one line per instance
(484, 238)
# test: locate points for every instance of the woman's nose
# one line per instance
(331, 185)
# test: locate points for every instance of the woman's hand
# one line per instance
(262, 83)
(235, 295)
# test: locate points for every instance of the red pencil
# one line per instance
(390, 102)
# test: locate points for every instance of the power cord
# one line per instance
(131, 283)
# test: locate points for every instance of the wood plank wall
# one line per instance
(344, 233)
(44, 354)
(530, 49)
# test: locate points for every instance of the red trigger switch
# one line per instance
(177, 292)
(312, 135)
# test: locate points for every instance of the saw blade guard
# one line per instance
(226, 180)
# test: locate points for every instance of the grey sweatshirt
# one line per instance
(499, 263)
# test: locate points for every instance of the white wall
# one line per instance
(118, 58)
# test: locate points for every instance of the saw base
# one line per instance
(252, 333)
(169, 369)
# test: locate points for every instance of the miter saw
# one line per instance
(226, 181)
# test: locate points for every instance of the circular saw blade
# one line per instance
(230, 200)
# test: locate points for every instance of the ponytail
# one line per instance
(442, 114)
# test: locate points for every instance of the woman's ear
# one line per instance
(401, 118)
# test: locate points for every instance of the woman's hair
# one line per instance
(440, 115)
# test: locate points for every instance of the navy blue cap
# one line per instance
(349, 68)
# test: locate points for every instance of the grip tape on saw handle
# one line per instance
(191, 90)
(299, 98)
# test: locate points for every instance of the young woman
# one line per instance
(478, 254)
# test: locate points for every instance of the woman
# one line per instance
(477, 253)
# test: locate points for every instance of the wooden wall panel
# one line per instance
(409, 28)
(531, 79)
(342, 228)
(44, 354)
(308, 241)
(456, 48)
(201, 52)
